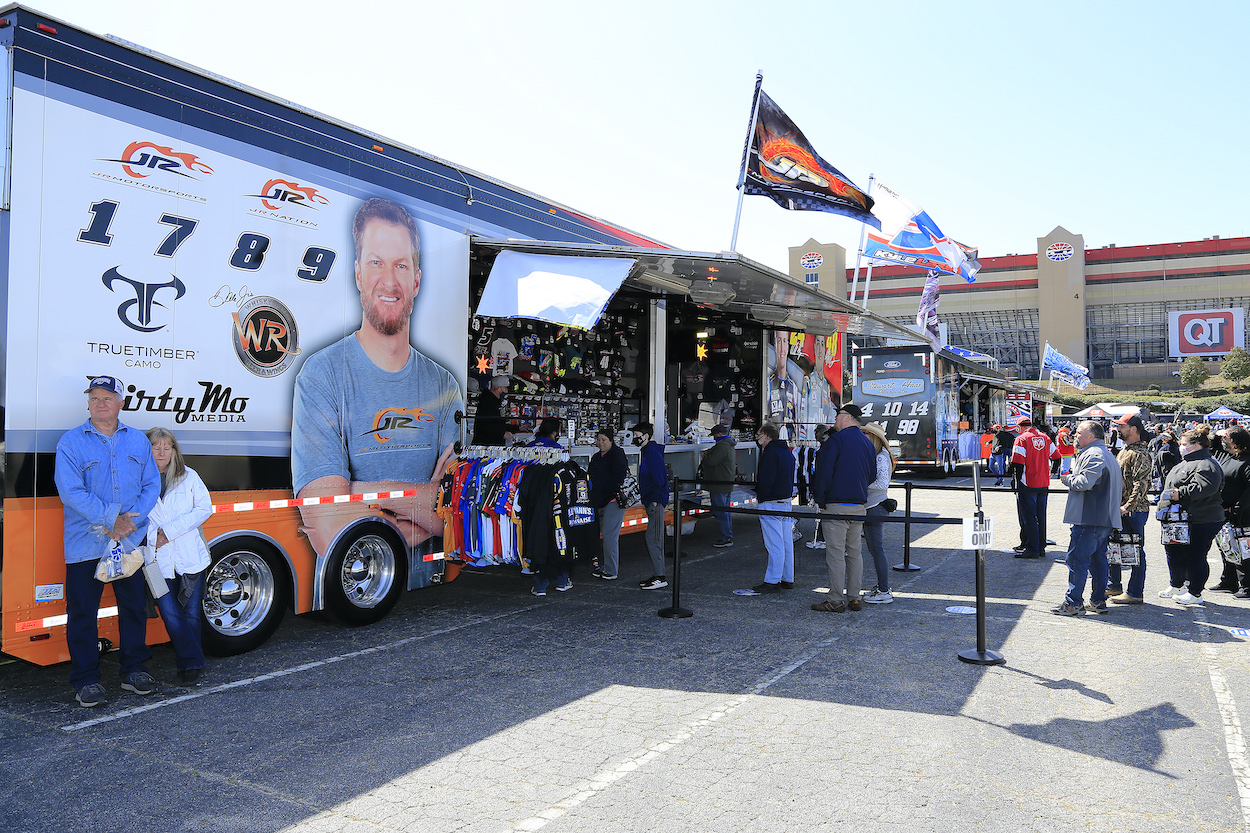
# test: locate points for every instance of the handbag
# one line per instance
(1233, 543)
(1175, 527)
(116, 563)
(630, 494)
(1124, 548)
(152, 573)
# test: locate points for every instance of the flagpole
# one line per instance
(867, 283)
(746, 154)
(863, 230)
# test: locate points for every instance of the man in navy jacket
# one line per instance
(845, 465)
(775, 491)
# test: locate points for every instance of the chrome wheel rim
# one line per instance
(239, 593)
(368, 571)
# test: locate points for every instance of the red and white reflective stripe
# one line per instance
(643, 521)
(53, 621)
(365, 497)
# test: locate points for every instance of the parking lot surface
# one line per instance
(477, 707)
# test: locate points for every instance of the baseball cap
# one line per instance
(719, 430)
(1133, 420)
(499, 382)
(1023, 421)
(851, 409)
(997, 427)
(109, 383)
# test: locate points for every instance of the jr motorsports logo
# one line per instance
(136, 312)
(265, 335)
(141, 159)
(388, 421)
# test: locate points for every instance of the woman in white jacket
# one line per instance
(174, 529)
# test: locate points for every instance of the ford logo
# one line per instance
(893, 365)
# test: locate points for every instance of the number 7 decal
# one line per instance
(183, 228)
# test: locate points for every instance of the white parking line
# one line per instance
(273, 675)
(605, 778)
(1234, 739)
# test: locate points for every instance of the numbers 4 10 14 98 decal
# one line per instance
(893, 409)
(248, 254)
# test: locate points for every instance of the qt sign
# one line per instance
(1211, 332)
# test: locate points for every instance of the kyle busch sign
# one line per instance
(1208, 332)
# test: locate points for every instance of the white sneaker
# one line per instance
(815, 545)
(878, 597)
(1171, 592)
(1187, 600)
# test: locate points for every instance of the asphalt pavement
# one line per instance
(477, 707)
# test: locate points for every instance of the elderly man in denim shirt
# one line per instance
(108, 481)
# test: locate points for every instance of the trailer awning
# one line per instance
(730, 282)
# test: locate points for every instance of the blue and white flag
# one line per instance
(1074, 374)
(909, 237)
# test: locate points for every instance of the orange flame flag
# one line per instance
(780, 163)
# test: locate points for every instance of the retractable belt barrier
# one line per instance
(980, 656)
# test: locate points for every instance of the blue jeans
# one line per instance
(998, 465)
(1087, 556)
(1188, 562)
(1031, 511)
(874, 536)
(1137, 575)
(542, 582)
(82, 605)
(723, 519)
(183, 623)
(778, 541)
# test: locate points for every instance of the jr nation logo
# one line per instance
(140, 159)
(277, 194)
(266, 338)
(388, 421)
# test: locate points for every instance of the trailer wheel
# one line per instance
(245, 596)
(366, 573)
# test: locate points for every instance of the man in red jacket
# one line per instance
(1030, 465)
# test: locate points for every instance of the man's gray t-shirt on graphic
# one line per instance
(352, 419)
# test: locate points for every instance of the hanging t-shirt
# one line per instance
(502, 353)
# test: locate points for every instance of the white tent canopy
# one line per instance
(1106, 410)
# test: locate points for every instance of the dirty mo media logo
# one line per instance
(140, 159)
(266, 337)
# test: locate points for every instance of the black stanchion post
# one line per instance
(982, 655)
(907, 566)
(676, 611)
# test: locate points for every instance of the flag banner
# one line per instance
(1074, 374)
(926, 315)
(783, 165)
(909, 237)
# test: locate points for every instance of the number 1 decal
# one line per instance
(101, 218)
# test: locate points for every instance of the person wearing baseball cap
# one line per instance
(845, 465)
(108, 482)
(490, 426)
(1030, 463)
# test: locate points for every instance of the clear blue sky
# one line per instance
(1123, 122)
